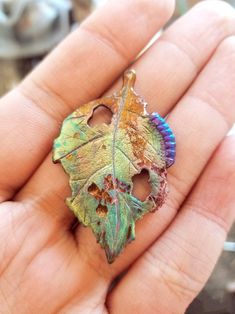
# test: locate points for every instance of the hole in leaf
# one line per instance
(141, 185)
(92, 188)
(101, 114)
(101, 210)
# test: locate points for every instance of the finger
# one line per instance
(173, 271)
(163, 73)
(80, 69)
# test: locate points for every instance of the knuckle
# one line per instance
(181, 284)
(221, 12)
(209, 214)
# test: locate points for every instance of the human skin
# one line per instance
(189, 75)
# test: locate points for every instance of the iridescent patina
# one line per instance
(102, 160)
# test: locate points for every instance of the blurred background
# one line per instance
(29, 29)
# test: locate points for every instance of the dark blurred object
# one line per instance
(30, 28)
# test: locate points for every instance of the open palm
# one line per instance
(49, 265)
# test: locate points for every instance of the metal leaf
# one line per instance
(102, 160)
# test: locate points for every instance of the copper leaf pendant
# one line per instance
(102, 160)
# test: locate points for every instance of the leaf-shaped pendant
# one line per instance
(102, 160)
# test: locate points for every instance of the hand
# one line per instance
(47, 266)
